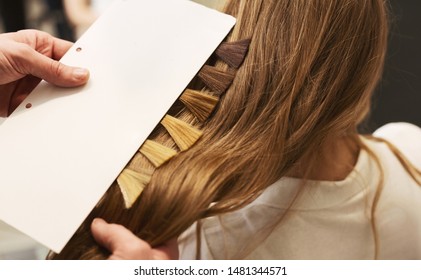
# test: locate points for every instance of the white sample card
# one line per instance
(58, 157)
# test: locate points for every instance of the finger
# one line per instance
(104, 234)
(167, 251)
(60, 47)
(117, 238)
(53, 71)
(40, 40)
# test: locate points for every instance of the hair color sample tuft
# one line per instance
(131, 184)
(216, 80)
(233, 53)
(200, 104)
(183, 133)
(157, 153)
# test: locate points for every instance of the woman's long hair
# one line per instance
(309, 75)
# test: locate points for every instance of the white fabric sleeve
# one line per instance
(406, 137)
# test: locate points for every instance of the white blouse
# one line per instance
(328, 220)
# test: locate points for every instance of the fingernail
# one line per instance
(98, 222)
(80, 73)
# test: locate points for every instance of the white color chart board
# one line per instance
(58, 157)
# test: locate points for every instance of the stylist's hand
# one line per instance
(28, 56)
(124, 245)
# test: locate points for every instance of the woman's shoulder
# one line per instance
(405, 137)
(396, 130)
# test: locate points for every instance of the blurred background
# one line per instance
(398, 97)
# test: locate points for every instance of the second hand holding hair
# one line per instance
(125, 245)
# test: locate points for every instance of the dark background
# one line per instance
(398, 98)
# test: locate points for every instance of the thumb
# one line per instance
(121, 242)
(54, 71)
(124, 245)
(111, 236)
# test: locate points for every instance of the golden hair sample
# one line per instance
(131, 184)
(157, 153)
(183, 133)
(200, 104)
